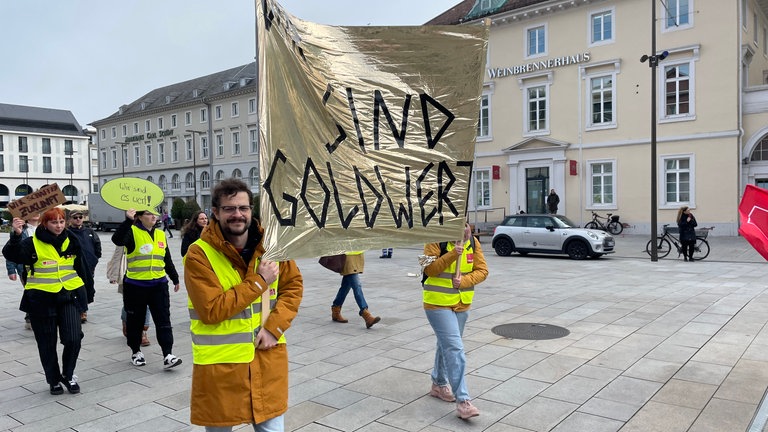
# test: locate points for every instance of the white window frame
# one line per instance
(217, 111)
(135, 128)
(665, 27)
(662, 181)
(104, 159)
(160, 123)
(160, 153)
(189, 181)
(174, 120)
(176, 182)
(590, 124)
(114, 132)
(147, 125)
(125, 130)
(591, 204)
(236, 149)
(527, 46)
(252, 106)
(188, 118)
(253, 176)
(235, 109)
(486, 99)
(483, 179)
(103, 134)
(526, 84)
(204, 146)
(205, 180)
(219, 145)
(662, 89)
(174, 151)
(203, 115)
(591, 23)
(188, 148)
(148, 154)
(162, 182)
(253, 141)
(136, 155)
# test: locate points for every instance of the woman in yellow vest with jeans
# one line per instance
(149, 266)
(447, 297)
(54, 295)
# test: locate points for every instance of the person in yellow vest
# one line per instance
(54, 293)
(149, 265)
(447, 296)
(240, 307)
(350, 280)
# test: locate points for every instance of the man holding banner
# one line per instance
(240, 306)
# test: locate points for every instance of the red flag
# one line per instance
(753, 214)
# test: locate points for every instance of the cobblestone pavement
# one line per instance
(653, 346)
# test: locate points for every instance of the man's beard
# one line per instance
(227, 230)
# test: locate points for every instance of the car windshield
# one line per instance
(563, 222)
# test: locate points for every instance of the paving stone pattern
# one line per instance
(653, 346)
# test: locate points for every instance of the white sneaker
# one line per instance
(138, 359)
(171, 361)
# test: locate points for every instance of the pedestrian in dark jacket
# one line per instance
(192, 229)
(90, 246)
(552, 201)
(687, 224)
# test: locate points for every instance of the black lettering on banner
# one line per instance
(425, 98)
(310, 166)
(397, 217)
(425, 217)
(370, 218)
(442, 191)
(355, 120)
(378, 100)
(290, 221)
(345, 220)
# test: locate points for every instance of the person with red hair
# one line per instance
(54, 293)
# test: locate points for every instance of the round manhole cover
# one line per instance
(530, 331)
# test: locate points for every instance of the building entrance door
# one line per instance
(536, 188)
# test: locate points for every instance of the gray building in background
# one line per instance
(186, 137)
(42, 146)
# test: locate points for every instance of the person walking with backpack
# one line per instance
(167, 224)
(447, 296)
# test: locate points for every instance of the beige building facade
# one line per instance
(567, 106)
(185, 137)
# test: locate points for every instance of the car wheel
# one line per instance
(577, 250)
(503, 246)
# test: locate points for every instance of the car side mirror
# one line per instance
(550, 227)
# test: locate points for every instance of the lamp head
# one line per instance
(643, 58)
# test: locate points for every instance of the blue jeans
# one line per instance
(351, 281)
(275, 424)
(450, 360)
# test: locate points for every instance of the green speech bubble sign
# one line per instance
(132, 193)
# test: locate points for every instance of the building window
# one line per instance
(253, 177)
(69, 165)
(536, 109)
(150, 179)
(190, 148)
(114, 132)
(601, 101)
(187, 118)
(23, 147)
(203, 115)
(760, 153)
(162, 183)
(135, 128)
(204, 146)
(219, 145)
(174, 151)
(149, 154)
(678, 97)
(23, 163)
(125, 130)
(235, 109)
(235, 143)
(602, 184)
(678, 180)
(237, 174)
(678, 13)
(46, 146)
(252, 106)
(160, 153)
(160, 123)
(482, 188)
(125, 158)
(253, 142)
(190, 182)
(2, 163)
(103, 134)
(68, 148)
(173, 120)
(147, 126)
(484, 123)
(104, 159)
(205, 180)
(219, 176)
(47, 164)
(602, 27)
(176, 182)
(2, 144)
(217, 112)
(136, 156)
(536, 41)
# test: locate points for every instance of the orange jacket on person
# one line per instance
(236, 393)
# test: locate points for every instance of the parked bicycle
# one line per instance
(665, 242)
(608, 223)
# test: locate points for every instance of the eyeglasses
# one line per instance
(77, 217)
(232, 209)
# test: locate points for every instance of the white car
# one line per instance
(548, 233)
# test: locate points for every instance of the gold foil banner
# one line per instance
(367, 134)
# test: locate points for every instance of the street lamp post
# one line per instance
(194, 158)
(122, 155)
(653, 62)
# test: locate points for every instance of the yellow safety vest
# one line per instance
(147, 260)
(51, 272)
(439, 290)
(232, 340)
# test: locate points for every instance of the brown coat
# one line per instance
(353, 264)
(233, 394)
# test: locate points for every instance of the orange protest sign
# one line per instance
(45, 198)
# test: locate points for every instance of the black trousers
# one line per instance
(135, 301)
(688, 248)
(67, 321)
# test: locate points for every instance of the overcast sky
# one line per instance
(91, 56)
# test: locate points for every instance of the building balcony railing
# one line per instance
(755, 100)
